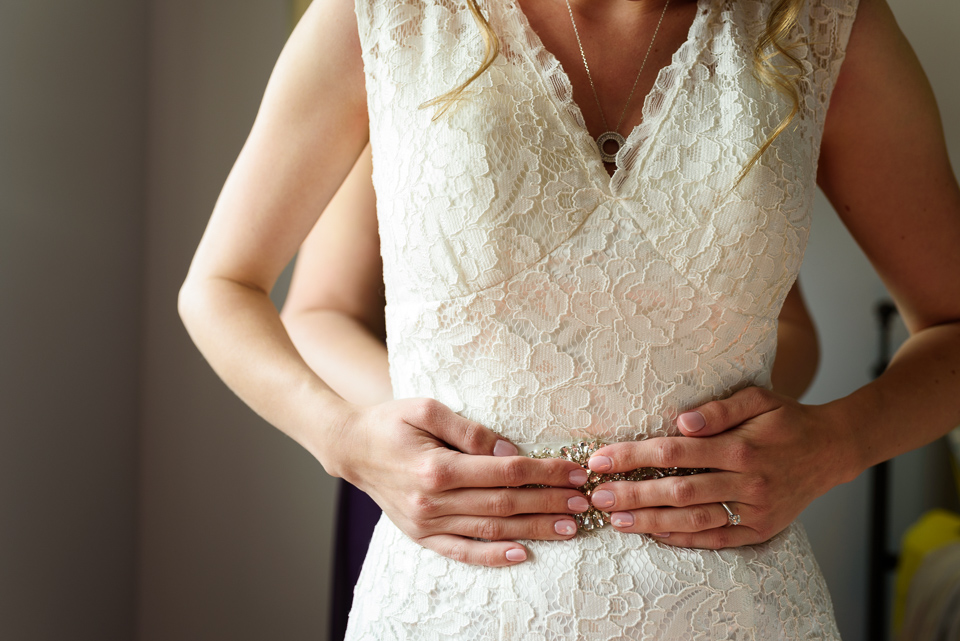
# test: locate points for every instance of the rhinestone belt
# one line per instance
(580, 452)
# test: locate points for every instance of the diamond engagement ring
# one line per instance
(732, 519)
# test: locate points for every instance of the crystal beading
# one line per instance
(580, 453)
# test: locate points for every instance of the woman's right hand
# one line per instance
(445, 481)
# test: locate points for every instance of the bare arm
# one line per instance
(406, 454)
(334, 310)
(310, 128)
(885, 169)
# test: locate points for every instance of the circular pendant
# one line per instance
(609, 139)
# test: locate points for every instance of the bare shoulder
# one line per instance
(884, 166)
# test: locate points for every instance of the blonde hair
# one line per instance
(775, 42)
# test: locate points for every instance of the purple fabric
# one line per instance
(357, 514)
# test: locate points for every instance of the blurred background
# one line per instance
(139, 499)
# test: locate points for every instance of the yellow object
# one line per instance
(934, 530)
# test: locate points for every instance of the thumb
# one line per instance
(460, 433)
(719, 416)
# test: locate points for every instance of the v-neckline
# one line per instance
(560, 90)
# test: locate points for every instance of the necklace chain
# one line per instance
(614, 134)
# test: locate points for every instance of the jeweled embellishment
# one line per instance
(580, 453)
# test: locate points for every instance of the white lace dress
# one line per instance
(529, 290)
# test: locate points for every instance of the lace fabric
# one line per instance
(531, 291)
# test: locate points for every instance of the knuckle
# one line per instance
(742, 455)
(425, 506)
(489, 529)
(434, 476)
(474, 436)
(719, 412)
(458, 552)
(684, 492)
(514, 472)
(651, 520)
(417, 529)
(667, 451)
(759, 488)
(425, 411)
(701, 518)
(501, 504)
(718, 539)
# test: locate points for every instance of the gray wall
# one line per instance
(72, 123)
(138, 498)
(236, 518)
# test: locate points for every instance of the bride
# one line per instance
(566, 262)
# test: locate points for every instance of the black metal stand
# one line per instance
(882, 561)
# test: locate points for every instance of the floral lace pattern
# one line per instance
(531, 291)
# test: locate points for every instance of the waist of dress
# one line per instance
(580, 453)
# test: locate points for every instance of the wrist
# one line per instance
(322, 429)
(854, 419)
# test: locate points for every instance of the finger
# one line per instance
(541, 527)
(719, 416)
(715, 539)
(490, 554)
(451, 470)
(661, 452)
(695, 518)
(509, 502)
(460, 433)
(672, 491)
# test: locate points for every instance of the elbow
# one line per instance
(189, 301)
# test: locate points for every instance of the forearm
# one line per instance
(343, 352)
(239, 332)
(914, 402)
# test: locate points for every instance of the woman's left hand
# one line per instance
(769, 456)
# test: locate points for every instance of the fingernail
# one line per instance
(565, 528)
(621, 519)
(505, 448)
(515, 554)
(603, 498)
(578, 504)
(660, 535)
(578, 477)
(600, 463)
(691, 421)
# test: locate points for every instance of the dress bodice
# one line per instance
(530, 290)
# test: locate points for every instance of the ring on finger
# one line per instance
(732, 518)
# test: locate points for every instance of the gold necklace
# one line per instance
(613, 135)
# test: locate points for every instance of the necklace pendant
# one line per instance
(610, 138)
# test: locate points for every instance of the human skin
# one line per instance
(775, 455)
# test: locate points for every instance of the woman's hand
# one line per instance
(398, 453)
(770, 457)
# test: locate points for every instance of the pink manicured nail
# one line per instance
(600, 463)
(621, 519)
(565, 528)
(578, 504)
(603, 499)
(515, 554)
(691, 421)
(505, 448)
(578, 477)
(660, 535)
